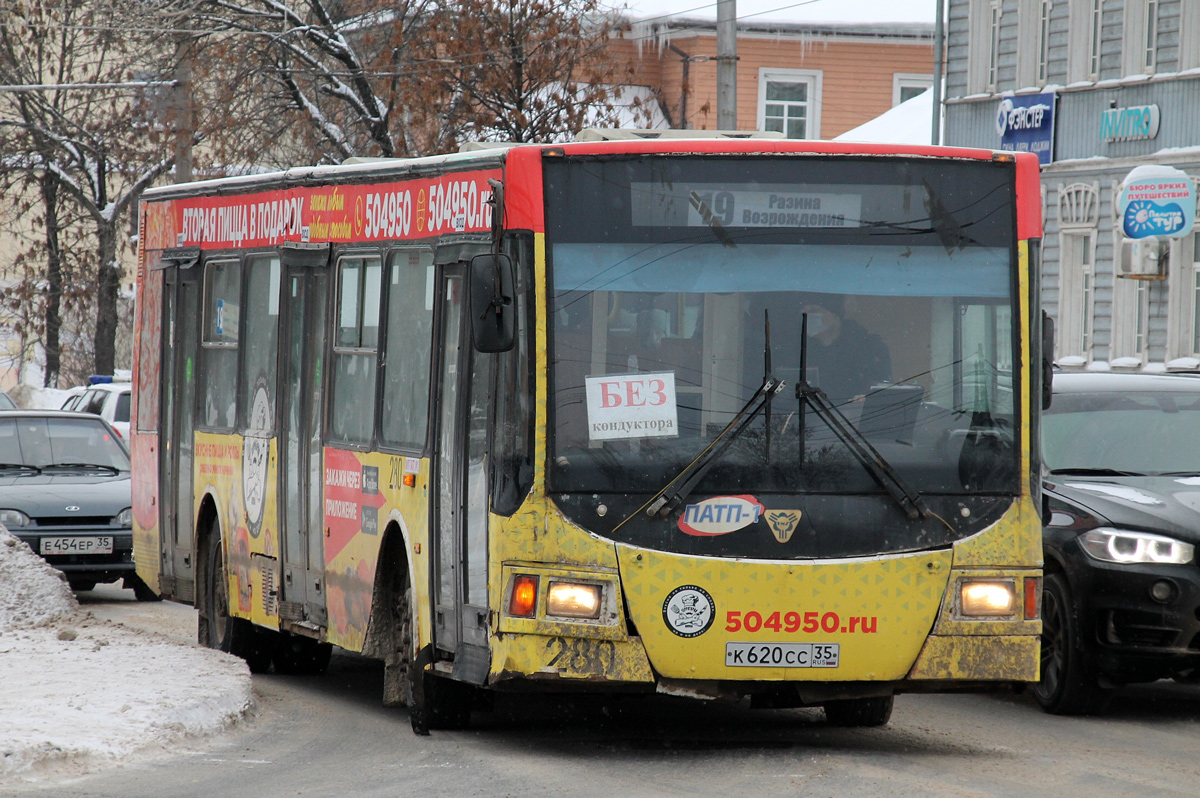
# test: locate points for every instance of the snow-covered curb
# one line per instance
(77, 692)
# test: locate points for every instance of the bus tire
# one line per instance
(872, 711)
(1068, 685)
(301, 656)
(223, 632)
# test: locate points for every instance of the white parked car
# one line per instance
(108, 400)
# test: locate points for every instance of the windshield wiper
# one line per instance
(675, 491)
(80, 467)
(19, 467)
(880, 470)
(1102, 472)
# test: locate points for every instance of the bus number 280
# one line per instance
(792, 622)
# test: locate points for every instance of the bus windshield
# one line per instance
(679, 284)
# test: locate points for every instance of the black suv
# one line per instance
(1121, 597)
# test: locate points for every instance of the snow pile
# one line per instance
(31, 592)
(77, 692)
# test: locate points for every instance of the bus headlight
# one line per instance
(987, 598)
(573, 600)
(1126, 547)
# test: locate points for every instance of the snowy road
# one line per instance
(78, 692)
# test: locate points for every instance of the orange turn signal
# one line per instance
(410, 480)
(523, 601)
(1033, 590)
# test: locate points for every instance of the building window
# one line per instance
(1151, 44)
(1095, 34)
(1189, 36)
(1141, 332)
(907, 86)
(1043, 51)
(995, 14)
(1077, 289)
(789, 102)
(1078, 216)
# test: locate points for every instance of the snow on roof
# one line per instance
(79, 693)
(910, 122)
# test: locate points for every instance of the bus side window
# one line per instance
(356, 341)
(408, 342)
(261, 342)
(219, 355)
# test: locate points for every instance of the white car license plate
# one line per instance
(782, 655)
(79, 545)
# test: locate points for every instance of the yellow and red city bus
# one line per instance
(721, 417)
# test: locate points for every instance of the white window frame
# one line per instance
(995, 26)
(1041, 69)
(908, 80)
(1029, 41)
(1078, 208)
(1075, 333)
(978, 18)
(1140, 35)
(1095, 37)
(1189, 36)
(1150, 40)
(812, 77)
(1130, 305)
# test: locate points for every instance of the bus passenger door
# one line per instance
(460, 563)
(302, 347)
(181, 308)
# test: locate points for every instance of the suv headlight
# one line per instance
(124, 518)
(1125, 547)
(13, 518)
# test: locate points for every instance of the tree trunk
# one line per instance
(108, 283)
(49, 187)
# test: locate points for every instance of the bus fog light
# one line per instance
(572, 600)
(988, 598)
(523, 600)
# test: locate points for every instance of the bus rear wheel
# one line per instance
(873, 711)
(220, 631)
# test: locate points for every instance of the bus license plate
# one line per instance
(88, 545)
(782, 655)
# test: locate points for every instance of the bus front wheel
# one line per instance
(219, 630)
(873, 711)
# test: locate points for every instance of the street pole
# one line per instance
(939, 34)
(727, 65)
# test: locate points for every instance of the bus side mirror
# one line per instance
(1047, 358)
(493, 303)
